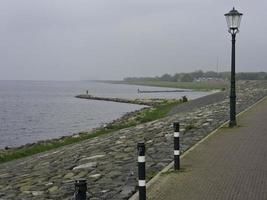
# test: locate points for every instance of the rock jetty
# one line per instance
(147, 102)
(109, 162)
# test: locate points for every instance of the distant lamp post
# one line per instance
(233, 19)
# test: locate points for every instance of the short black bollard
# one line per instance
(176, 145)
(141, 170)
(80, 189)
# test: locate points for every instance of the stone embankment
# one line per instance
(109, 162)
(147, 102)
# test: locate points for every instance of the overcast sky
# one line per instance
(112, 39)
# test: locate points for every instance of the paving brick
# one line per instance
(231, 164)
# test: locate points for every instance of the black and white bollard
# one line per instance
(141, 170)
(80, 189)
(176, 144)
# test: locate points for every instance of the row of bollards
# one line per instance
(81, 185)
(141, 160)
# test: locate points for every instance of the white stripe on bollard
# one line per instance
(142, 183)
(176, 152)
(141, 159)
(176, 134)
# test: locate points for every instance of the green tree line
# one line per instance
(198, 75)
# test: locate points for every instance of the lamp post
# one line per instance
(233, 19)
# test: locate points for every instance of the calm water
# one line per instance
(38, 110)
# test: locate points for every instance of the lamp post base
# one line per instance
(232, 124)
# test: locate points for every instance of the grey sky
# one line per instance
(112, 39)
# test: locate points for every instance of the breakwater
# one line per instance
(109, 162)
(147, 102)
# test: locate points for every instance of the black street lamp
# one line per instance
(233, 19)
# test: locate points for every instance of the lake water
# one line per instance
(37, 110)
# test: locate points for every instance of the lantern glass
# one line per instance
(233, 19)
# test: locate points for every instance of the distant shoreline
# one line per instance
(193, 86)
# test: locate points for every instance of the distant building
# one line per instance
(209, 80)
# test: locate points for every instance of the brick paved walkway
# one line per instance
(230, 165)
